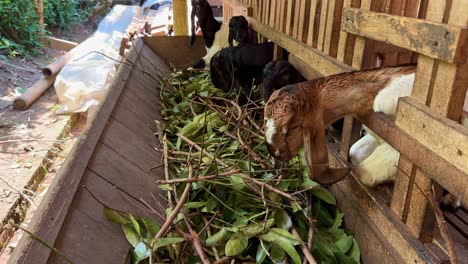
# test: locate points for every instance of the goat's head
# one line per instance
(278, 74)
(198, 4)
(238, 30)
(284, 120)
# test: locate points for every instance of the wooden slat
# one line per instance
(329, 26)
(319, 61)
(408, 198)
(446, 138)
(360, 42)
(282, 15)
(305, 69)
(51, 213)
(290, 16)
(312, 16)
(303, 20)
(323, 24)
(351, 133)
(436, 40)
(297, 18)
(272, 13)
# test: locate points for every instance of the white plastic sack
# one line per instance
(83, 81)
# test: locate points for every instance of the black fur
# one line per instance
(206, 20)
(239, 30)
(277, 74)
(240, 67)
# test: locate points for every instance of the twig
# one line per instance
(304, 248)
(166, 169)
(203, 178)
(42, 241)
(176, 210)
(304, 190)
(27, 198)
(268, 187)
(200, 149)
(224, 260)
(18, 67)
(444, 231)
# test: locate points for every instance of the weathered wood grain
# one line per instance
(446, 138)
(436, 40)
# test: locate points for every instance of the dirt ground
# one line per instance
(34, 142)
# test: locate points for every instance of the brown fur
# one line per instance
(302, 111)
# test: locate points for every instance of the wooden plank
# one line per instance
(312, 22)
(282, 15)
(87, 236)
(302, 20)
(399, 240)
(400, 189)
(297, 18)
(272, 12)
(290, 17)
(446, 138)
(323, 24)
(305, 69)
(116, 169)
(351, 134)
(335, 29)
(438, 169)
(360, 42)
(59, 44)
(316, 59)
(436, 40)
(329, 26)
(51, 213)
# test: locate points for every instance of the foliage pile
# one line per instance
(19, 25)
(226, 201)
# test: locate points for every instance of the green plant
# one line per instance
(19, 27)
(61, 13)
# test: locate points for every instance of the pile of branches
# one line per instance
(226, 202)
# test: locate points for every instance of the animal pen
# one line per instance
(392, 224)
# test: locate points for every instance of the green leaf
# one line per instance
(344, 244)
(276, 253)
(165, 187)
(217, 239)
(236, 244)
(152, 227)
(116, 216)
(131, 234)
(324, 195)
(308, 183)
(194, 205)
(135, 224)
(274, 233)
(287, 246)
(237, 181)
(141, 252)
(254, 229)
(282, 219)
(354, 253)
(261, 253)
(161, 242)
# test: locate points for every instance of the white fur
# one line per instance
(386, 100)
(374, 159)
(362, 149)
(220, 42)
(270, 130)
(380, 166)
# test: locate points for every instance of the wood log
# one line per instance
(23, 101)
(55, 67)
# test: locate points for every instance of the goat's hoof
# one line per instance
(332, 176)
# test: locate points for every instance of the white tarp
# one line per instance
(83, 81)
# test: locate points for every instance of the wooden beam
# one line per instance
(437, 168)
(180, 18)
(446, 138)
(436, 40)
(324, 64)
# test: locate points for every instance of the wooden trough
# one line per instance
(116, 161)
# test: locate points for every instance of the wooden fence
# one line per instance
(325, 37)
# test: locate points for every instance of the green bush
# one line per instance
(19, 27)
(60, 13)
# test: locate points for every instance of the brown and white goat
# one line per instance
(297, 115)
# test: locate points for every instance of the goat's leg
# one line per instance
(317, 158)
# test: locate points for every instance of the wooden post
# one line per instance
(40, 12)
(180, 17)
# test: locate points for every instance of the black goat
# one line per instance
(278, 74)
(239, 31)
(240, 67)
(208, 24)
